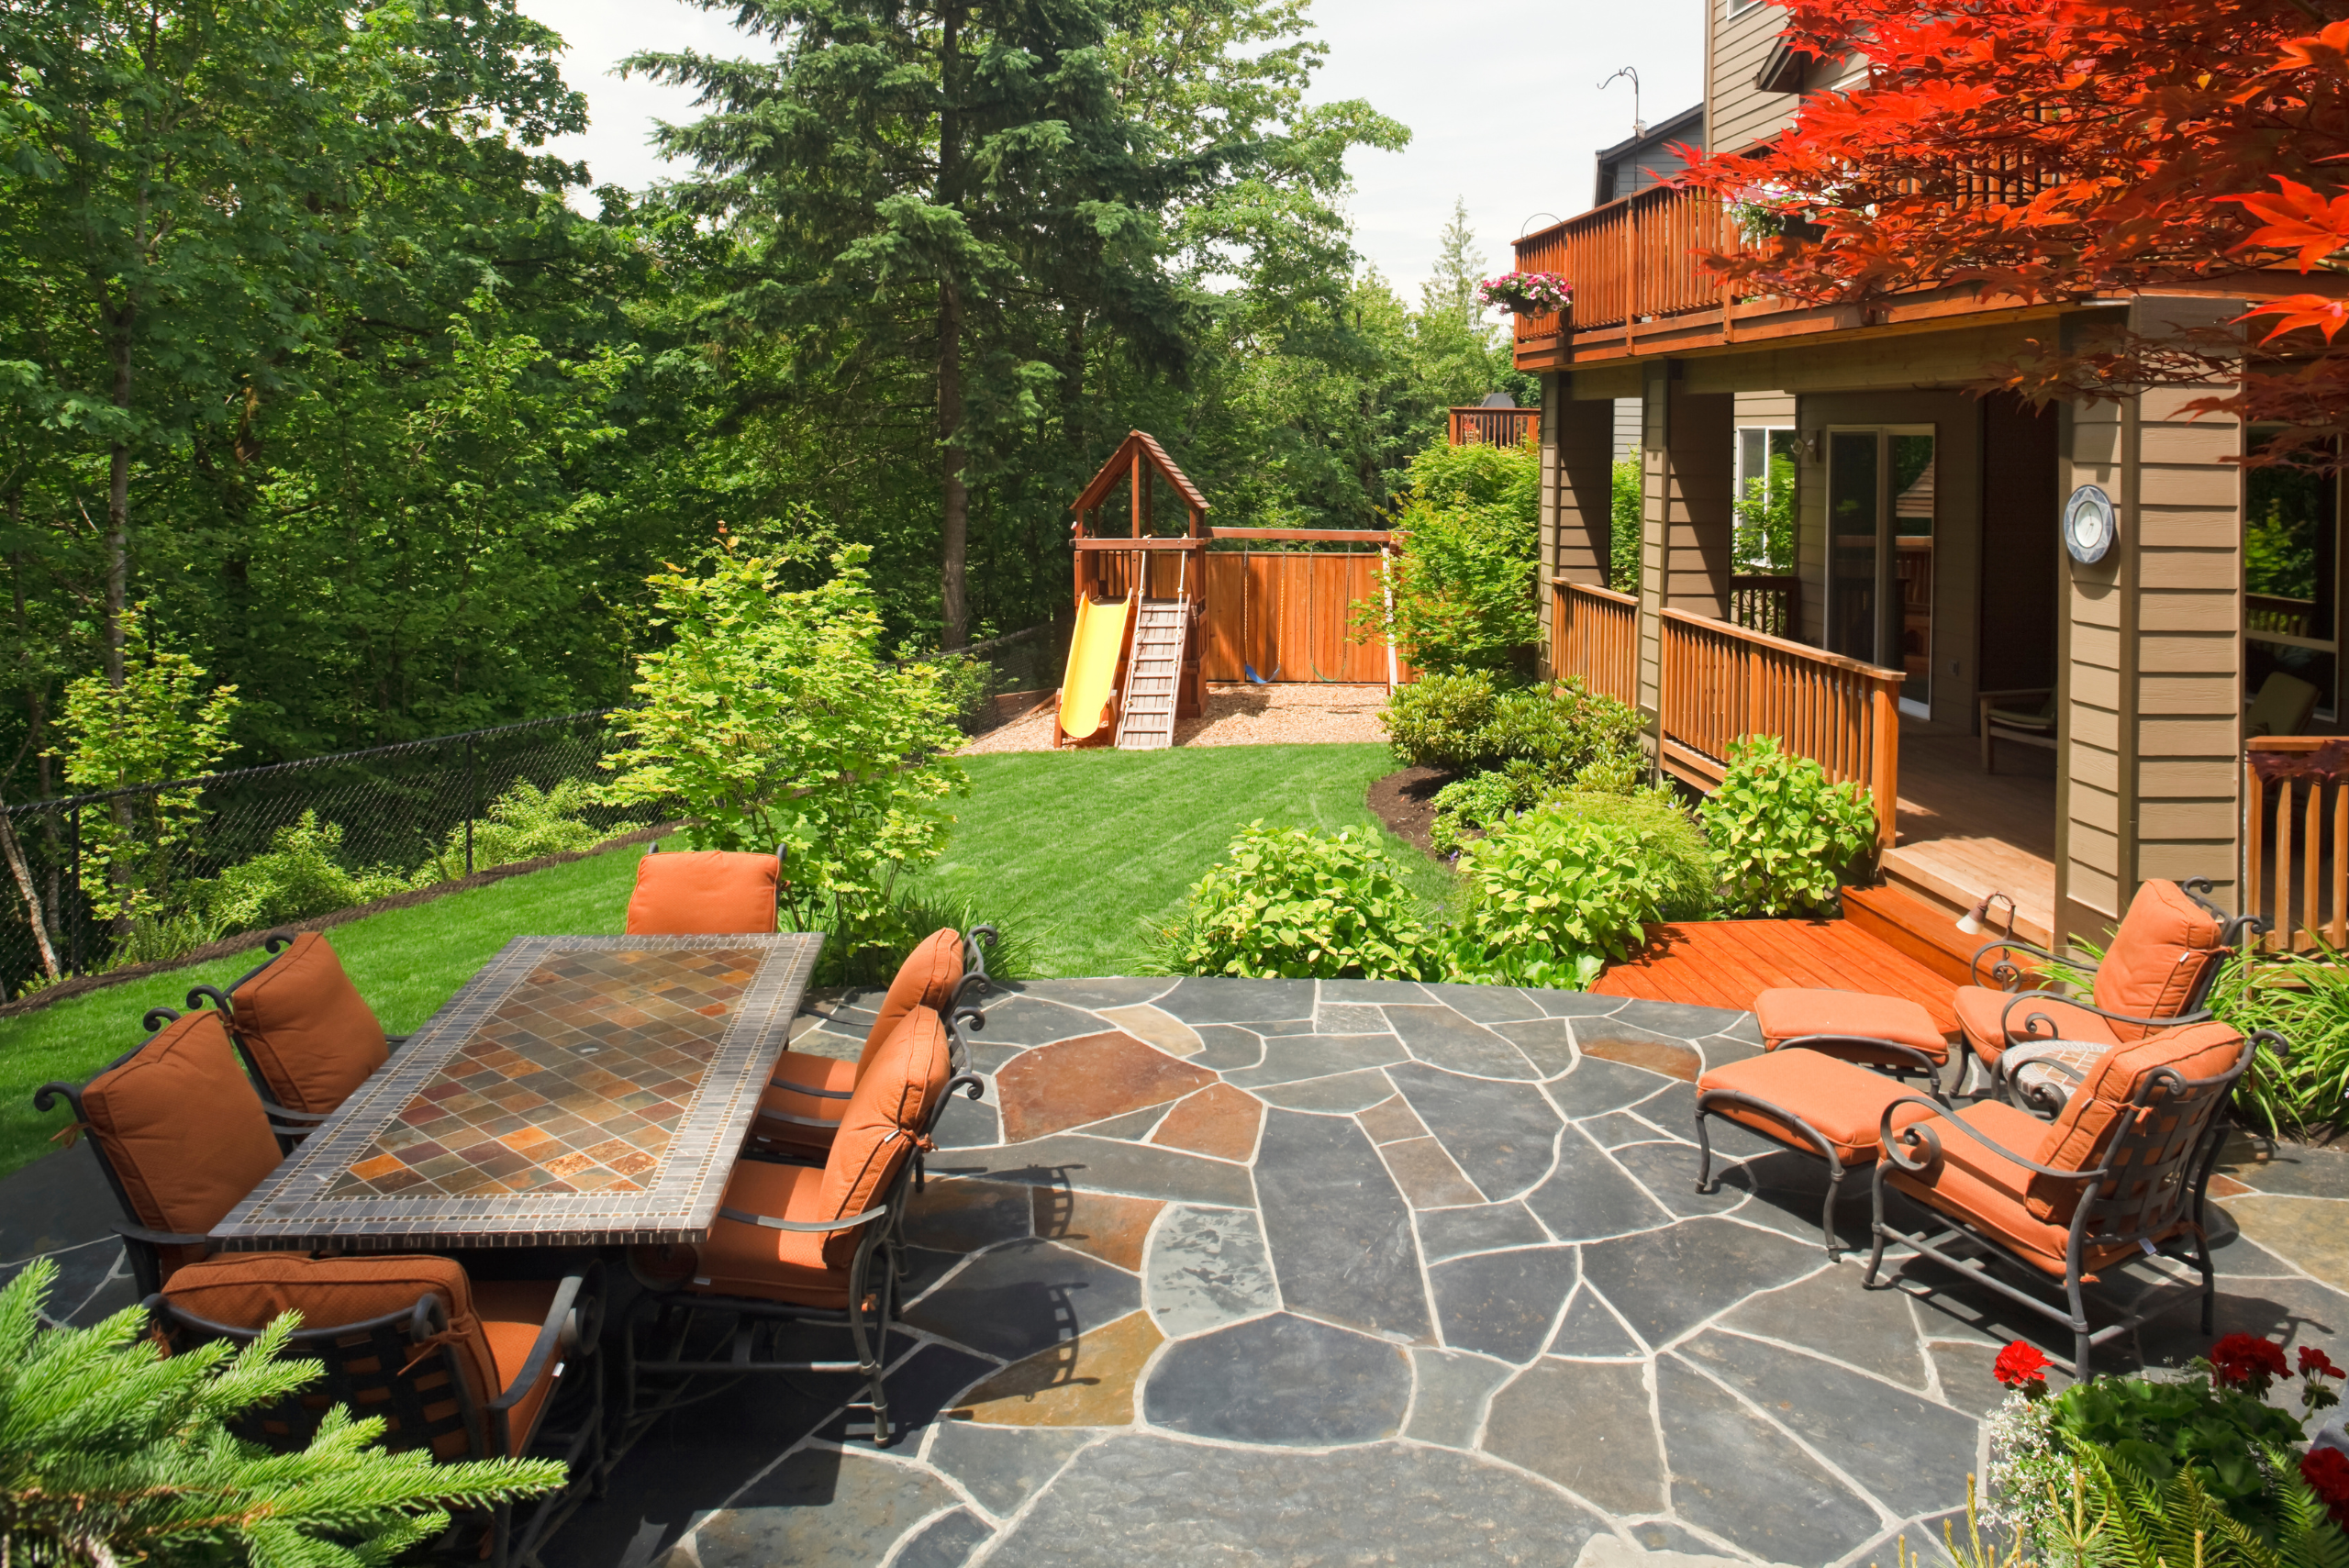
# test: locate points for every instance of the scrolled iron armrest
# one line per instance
(808, 1227)
(1974, 964)
(2004, 1075)
(1921, 1133)
(199, 994)
(2006, 1030)
(549, 1341)
(154, 1019)
(1822, 1043)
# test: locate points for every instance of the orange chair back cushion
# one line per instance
(886, 1113)
(702, 893)
(182, 1126)
(2158, 956)
(312, 1037)
(248, 1290)
(2092, 1117)
(927, 979)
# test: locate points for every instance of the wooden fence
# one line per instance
(1286, 612)
(1596, 635)
(1719, 682)
(2296, 822)
(1495, 426)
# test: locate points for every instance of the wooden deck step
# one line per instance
(1727, 963)
(1153, 670)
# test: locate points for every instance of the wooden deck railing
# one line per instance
(1597, 637)
(1495, 426)
(1720, 682)
(1636, 258)
(1766, 604)
(2296, 824)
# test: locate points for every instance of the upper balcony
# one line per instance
(1640, 289)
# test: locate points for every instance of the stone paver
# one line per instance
(1280, 1270)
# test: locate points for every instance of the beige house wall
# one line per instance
(1685, 523)
(1737, 113)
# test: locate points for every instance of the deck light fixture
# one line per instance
(1974, 921)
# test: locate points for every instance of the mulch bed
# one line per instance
(1405, 801)
(82, 984)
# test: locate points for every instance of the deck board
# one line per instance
(1726, 963)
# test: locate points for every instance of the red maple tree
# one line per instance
(2072, 150)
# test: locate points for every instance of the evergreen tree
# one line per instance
(1451, 288)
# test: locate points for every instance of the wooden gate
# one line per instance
(1286, 613)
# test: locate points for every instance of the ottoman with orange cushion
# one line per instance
(1805, 1100)
(1883, 1031)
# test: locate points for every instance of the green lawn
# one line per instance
(1082, 847)
(1077, 848)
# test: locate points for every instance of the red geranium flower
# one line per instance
(2020, 1366)
(2245, 1361)
(2326, 1470)
(2316, 1363)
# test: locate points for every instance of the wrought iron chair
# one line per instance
(704, 893)
(802, 1105)
(799, 1245)
(2123, 1171)
(2157, 974)
(463, 1368)
(181, 1136)
(305, 1031)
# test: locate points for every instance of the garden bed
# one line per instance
(1404, 802)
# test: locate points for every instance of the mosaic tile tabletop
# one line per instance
(578, 1091)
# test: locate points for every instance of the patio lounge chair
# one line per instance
(802, 1106)
(2124, 1169)
(798, 1243)
(465, 1368)
(2157, 973)
(181, 1136)
(704, 893)
(1807, 1099)
(308, 1036)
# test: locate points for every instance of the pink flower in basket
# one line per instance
(1526, 293)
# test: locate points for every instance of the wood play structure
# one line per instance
(1159, 616)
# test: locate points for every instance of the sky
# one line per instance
(1502, 99)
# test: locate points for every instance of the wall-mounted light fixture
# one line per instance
(1974, 921)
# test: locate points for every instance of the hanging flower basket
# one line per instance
(1527, 294)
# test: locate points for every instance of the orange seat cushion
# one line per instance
(247, 1290)
(888, 1111)
(1983, 1013)
(741, 1259)
(1844, 1101)
(1975, 1183)
(809, 1071)
(2159, 955)
(311, 1036)
(182, 1128)
(1786, 1013)
(704, 893)
(927, 979)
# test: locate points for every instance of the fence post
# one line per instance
(74, 900)
(470, 803)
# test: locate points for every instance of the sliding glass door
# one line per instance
(1880, 553)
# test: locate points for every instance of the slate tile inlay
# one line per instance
(1025, 1297)
(1218, 1120)
(1500, 1134)
(1744, 1480)
(583, 1031)
(1613, 1457)
(1502, 1304)
(1443, 1038)
(1088, 1079)
(1340, 1233)
(1281, 1380)
(1208, 1267)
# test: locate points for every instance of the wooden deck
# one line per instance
(1727, 963)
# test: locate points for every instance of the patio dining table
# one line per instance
(578, 1091)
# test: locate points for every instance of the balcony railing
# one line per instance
(1596, 635)
(1495, 426)
(2296, 825)
(1634, 259)
(1771, 603)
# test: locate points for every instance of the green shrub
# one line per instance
(1781, 834)
(1439, 721)
(523, 824)
(112, 1452)
(1466, 721)
(300, 875)
(1458, 589)
(1682, 872)
(1623, 532)
(1548, 897)
(2305, 998)
(1479, 801)
(919, 910)
(1297, 904)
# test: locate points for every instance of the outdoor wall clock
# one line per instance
(2089, 525)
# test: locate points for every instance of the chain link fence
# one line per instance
(146, 873)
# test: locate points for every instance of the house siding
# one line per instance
(1737, 113)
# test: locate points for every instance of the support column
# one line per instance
(2151, 670)
(1577, 530)
(1687, 485)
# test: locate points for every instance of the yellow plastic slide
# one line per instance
(1093, 665)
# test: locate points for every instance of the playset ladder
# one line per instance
(1146, 717)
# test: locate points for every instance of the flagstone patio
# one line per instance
(1284, 1271)
(1298, 1273)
